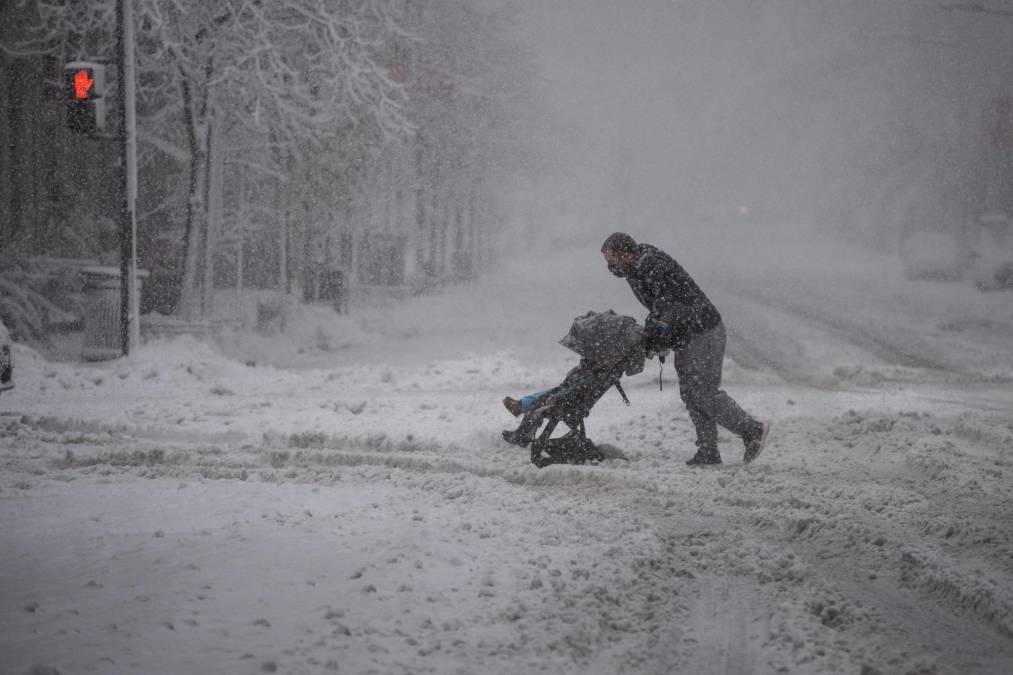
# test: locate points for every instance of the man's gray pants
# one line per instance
(698, 365)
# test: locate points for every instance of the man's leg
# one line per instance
(692, 389)
(706, 435)
(699, 366)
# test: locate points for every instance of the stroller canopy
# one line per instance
(608, 340)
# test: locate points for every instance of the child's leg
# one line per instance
(536, 400)
(532, 408)
(526, 404)
(525, 431)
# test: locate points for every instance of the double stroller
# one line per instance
(609, 346)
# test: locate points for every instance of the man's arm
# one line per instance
(666, 299)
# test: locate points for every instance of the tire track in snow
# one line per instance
(915, 616)
(881, 560)
(319, 465)
(851, 332)
(762, 344)
(748, 354)
(725, 633)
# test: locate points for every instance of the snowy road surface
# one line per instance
(184, 511)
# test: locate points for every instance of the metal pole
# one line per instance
(284, 282)
(129, 300)
(131, 119)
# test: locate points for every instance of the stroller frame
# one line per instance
(571, 408)
(609, 345)
(574, 447)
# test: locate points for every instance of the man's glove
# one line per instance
(656, 335)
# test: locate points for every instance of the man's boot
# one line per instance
(704, 458)
(755, 441)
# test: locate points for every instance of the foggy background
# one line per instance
(728, 133)
(865, 119)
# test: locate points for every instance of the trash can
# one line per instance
(334, 290)
(102, 312)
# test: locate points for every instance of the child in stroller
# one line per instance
(610, 345)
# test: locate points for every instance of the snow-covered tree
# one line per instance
(276, 137)
(473, 101)
(292, 72)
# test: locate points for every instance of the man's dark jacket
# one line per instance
(671, 296)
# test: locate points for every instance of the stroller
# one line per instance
(610, 346)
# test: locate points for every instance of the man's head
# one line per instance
(620, 252)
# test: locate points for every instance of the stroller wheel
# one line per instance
(570, 449)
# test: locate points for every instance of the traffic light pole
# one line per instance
(129, 301)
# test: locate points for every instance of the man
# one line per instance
(682, 319)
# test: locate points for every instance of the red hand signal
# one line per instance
(82, 84)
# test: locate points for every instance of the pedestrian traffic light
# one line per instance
(84, 90)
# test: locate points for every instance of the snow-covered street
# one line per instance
(353, 509)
